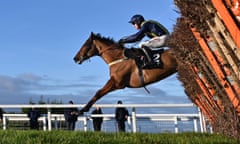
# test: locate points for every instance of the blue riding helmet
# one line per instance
(138, 19)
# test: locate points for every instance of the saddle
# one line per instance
(145, 58)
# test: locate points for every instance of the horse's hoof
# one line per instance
(81, 113)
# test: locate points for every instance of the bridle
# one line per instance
(100, 52)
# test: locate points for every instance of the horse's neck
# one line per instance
(110, 53)
(113, 55)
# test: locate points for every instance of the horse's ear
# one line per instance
(92, 35)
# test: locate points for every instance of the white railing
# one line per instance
(132, 121)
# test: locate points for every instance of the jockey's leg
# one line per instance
(149, 45)
(148, 53)
(155, 42)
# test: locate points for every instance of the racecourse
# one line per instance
(78, 137)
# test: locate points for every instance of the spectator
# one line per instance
(1, 114)
(121, 115)
(34, 114)
(71, 115)
(97, 121)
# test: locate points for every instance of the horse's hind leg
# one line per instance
(108, 87)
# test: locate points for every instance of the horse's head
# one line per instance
(94, 45)
(86, 51)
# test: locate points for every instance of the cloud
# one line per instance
(23, 87)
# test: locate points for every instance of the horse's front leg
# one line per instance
(108, 87)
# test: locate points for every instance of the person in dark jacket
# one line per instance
(71, 116)
(97, 121)
(157, 33)
(1, 114)
(33, 115)
(121, 115)
(153, 29)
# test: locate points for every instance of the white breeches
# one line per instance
(155, 42)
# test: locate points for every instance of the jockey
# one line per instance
(153, 29)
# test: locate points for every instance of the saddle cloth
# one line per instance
(137, 54)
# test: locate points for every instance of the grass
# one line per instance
(70, 137)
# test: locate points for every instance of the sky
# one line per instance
(39, 38)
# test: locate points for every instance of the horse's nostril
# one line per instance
(75, 59)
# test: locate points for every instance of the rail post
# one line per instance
(195, 124)
(134, 125)
(4, 122)
(44, 123)
(176, 124)
(85, 119)
(201, 119)
(49, 119)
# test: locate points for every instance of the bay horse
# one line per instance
(123, 72)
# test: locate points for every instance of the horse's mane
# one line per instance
(102, 38)
(106, 39)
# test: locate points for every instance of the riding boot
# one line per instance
(148, 54)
